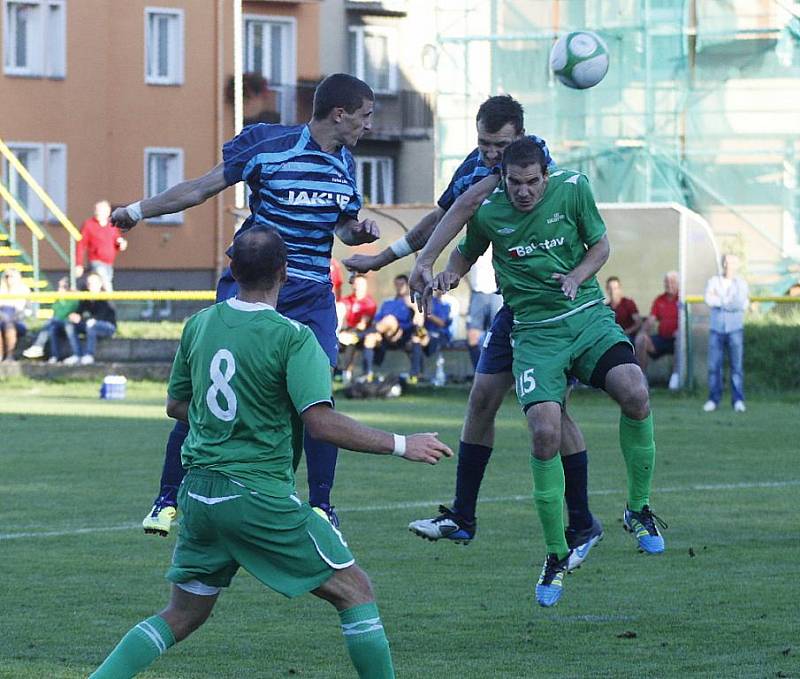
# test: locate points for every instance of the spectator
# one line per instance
(727, 296)
(394, 325)
(12, 312)
(652, 343)
(484, 303)
(359, 310)
(62, 308)
(337, 278)
(102, 241)
(435, 335)
(94, 318)
(625, 311)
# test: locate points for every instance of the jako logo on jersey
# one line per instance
(318, 198)
(506, 231)
(557, 217)
(525, 250)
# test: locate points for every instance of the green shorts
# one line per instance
(280, 540)
(544, 354)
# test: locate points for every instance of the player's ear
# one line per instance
(283, 276)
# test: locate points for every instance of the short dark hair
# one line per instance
(257, 257)
(500, 110)
(612, 279)
(401, 276)
(340, 90)
(524, 152)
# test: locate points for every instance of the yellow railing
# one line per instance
(39, 191)
(5, 194)
(698, 299)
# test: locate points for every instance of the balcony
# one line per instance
(401, 115)
(379, 7)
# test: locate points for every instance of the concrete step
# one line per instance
(39, 370)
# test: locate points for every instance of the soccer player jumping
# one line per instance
(241, 375)
(499, 122)
(549, 241)
(302, 184)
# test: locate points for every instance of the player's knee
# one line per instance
(634, 398)
(347, 588)
(483, 403)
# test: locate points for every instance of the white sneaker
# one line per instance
(674, 382)
(33, 351)
(87, 359)
(709, 406)
(72, 360)
(52, 360)
(739, 407)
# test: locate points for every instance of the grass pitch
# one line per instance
(78, 475)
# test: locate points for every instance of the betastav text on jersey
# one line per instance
(296, 188)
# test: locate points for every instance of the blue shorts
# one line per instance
(661, 346)
(304, 301)
(483, 307)
(496, 354)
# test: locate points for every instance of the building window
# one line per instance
(34, 36)
(163, 46)
(163, 168)
(47, 164)
(269, 49)
(375, 179)
(373, 56)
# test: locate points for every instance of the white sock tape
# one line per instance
(399, 445)
(135, 211)
(401, 248)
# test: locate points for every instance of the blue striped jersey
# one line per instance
(296, 188)
(472, 170)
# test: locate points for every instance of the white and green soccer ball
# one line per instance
(579, 59)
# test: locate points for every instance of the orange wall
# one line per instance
(107, 115)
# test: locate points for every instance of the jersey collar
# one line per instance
(239, 305)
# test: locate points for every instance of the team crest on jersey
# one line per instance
(557, 217)
(519, 251)
(318, 198)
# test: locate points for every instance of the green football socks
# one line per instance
(366, 642)
(137, 649)
(548, 496)
(639, 450)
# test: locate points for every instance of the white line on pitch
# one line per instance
(427, 503)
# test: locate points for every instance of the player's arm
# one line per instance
(179, 197)
(592, 262)
(324, 423)
(352, 232)
(447, 229)
(177, 410)
(413, 241)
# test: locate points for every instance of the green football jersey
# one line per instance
(247, 372)
(529, 247)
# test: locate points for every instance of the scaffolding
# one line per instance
(700, 107)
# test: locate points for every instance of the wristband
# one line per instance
(401, 248)
(135, 211)
(399, 445)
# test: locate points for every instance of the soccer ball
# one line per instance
(579, 59)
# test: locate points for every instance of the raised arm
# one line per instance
(324, 423)
(592, 262)
(179, 197)
(447, 229)
(413, 241)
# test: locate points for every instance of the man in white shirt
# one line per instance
(484, 303)
(727, 296)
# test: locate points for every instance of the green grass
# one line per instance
(72, 463)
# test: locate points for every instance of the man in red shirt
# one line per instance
(101, 241)
(626, 314)
(360, 309)
(664, 312)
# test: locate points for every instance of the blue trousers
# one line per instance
(718, 344)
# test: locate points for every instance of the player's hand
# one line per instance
(123, 244)
(122, 219)
(366, 231)
(569, 285)
(420, 279)
(426, 448)
(357, 264)
(446, 281)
